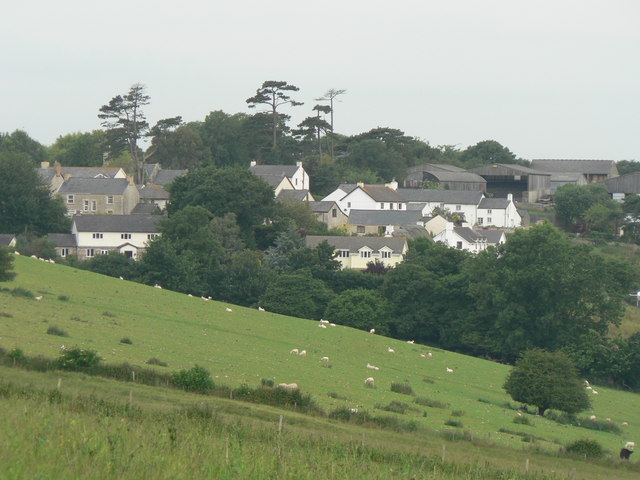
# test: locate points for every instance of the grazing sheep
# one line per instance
(260, 309)
(625, 424)
(121, 278)
(205, 299)
(589, 387)
(189, 295)
(324, 359)
(209, 298)
(390, 350)
(39, 298)
(16, 253)
(228, 309)
(586, 382)
(353, 410)
(594, 392)
(411, 341)
(422, 355)
(626, 452)
(373, 330)
(449, 370)
(288, 386)
(61, 347)
(322, 325)
(429, 354)
(324, 321)
(592, 417)
(332, 324)
(294, 351)
(158, 286)
(372, 367)
(303, 353)
(33, 256)
(369, 382)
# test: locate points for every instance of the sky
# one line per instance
(546, 79)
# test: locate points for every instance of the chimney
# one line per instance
(510, 197)
(298, 164)
(130, 178)
(393, 185)
(360, 184)
(252, 163)
(44, 164)
(66, 176)
(58, 169)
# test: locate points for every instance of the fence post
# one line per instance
(59, 383)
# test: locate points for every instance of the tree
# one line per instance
(6, 266)
(20, 143)
(274, 94)
(359, 308)
(182, 148)
(297, 295)
(26, 205)
(315, 126)
(486, 152)
(547, 380)
(79, 149)
(114, 264)
(330, 96)
(573, 201)
(126, 122)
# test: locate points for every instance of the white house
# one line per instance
(462, 238)
(367, 197)
(498, 212)
(356, 252)
(460, 202)
(273, 174)
(127, 234)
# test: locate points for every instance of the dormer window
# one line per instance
(385, 254)
(365, 253)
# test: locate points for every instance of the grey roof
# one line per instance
(145, 209)
(322, 206)
(446, 173)
(117, 223)
(6, 239)
(95, 186)
(411, 231)
(282, 170)
(469, 234)
(46, 174)
(353, 244)
(510, 167)
(163, 177)
(379, 193)
(628, 183)
(384, 217)
(594, 167)
(272, 179)
(62, 239)
(152, 191)
(423, 195)
(300, 195)
(493, 236)
(496, 203)
(416, 206)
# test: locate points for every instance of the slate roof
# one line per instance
(497, 203)
(379, 193)
(6, 239)
(163, 177)
(353, 244)
(145, 209)
(295, 194)
(80, 172)
(62, 239)
(322, 206)
(384, 217)
(273, 179)
(282, 170)
(493, 236)
(424, 195)
(152, 191)
(117, 223)
(95, 186)
(469, 234)
(593, 167)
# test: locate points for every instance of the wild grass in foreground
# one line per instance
(47, 434)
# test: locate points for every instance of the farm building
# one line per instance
(624, 185)
(561, 170)
(526, 184)
(446, 176)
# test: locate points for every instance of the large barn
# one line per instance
(526, 184)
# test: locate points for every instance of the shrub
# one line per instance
(22, 292)
(6, 315)
(336, 396)
(428, 380)
(403, 388)
(395, 407)
(126, 340)
(427, 402)
(521, 420)
(196, 379)
(267, 382)
(109, 314)
(156, 361)
(63, 298)
(453, 423)
(53, 330)
(586, 448)
(16, 356)
(457, 413)
(78, 319)
(601, 425)
(78, 359)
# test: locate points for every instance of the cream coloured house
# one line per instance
(356, 252)
(115, 196)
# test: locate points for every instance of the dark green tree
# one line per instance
(573, 201)
(243, 278)
(375, 155)
(26, 206)
(20, 143)
(297, 295)
(274, 94)
(234, 140)
(487, 152)
(182, 148)
(79, 149)
(6, 265)
(114, 264)
(359, 308)
(547, 380)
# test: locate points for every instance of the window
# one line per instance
(348, 204)
(90, 252)
(86, 206)
(334, 212)
(151, 236)
(459, 245)
(343, 253)
(94, 205)
(489, 211)
(70, 199)
(442, 205)
(382, 206)
(109, 199)
(125, 236)
(458, 208)
(64, 252)
(399, 206)
(109, 212)
(98, 235)
(365, 253)
(360, 229)
(391, 206)
(104, 252)
(489, 220)
(385, 254)
(479, 221)
(382, 230)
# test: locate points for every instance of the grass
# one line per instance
(247, 346)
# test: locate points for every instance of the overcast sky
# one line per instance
(547, 79)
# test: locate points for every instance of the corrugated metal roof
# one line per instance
(117, 223)
(593, 167)
(6, 239)
(628, 183)
(506, 169)
(96, 186)
(353, 244)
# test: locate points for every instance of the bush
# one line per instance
(22, 292)
(16, 356)
(6, 315)
(453, 423)
(126, 340)
(53, 330)
(457, 413)
(586, 448)
(63, 298)
(78, 359)
(403, 388)
(427, 402)
(395, 407)
(267, 382)
(521, 420)
(156, 361)
(196, 379)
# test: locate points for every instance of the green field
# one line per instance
(245, 346)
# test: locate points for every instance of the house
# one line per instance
(382, 222)
(329, 213)
(153, 194)
(7, 240)
(355, 252)
(498, 212)
(64, 243)
(56, 175)
(274, 174)
(367, 197)
(526, 184)
(154, 173)
(117, 196)
(434, 225)
(446, 176)
(494, 237)
(593, 171)
(462, 238)
(100, 234)
(459, 202)
(298, 195)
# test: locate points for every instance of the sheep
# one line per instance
(288, 386)
(592, 417)
(205, 299)
(390, 350)
(39, 298)
(332, 324)
(422, 355)
(369, 382)
(260, 309)
(588, 387)
(429, 354)
(33, 256)
(411, 341)
(626, 452)
(189, 295)
(586, 382)
(120, 277)
(228, 309)
(353, 410)
(16, 253)
(373, 330)
(449, 370)
(157, 286)
(294, 351)
(594, 392)
(322, 325)
(324, 321)
(324, 359)
(303, 353)
(209, 298)
(372, 367)
(625, 424)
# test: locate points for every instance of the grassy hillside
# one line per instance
(244, 346)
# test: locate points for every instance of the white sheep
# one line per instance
(292, 386)
(121, 278)
(324, 359)
(16, 253)
(422, 355)
(449, 370)
(158, 286)
(630, 445)
(205, 299)
(369, 381)
(39, 298)
(390, 350)
(411, 341)
(373, 330)
(303, 353)
(189, 295)
(332, 324)
(353, 410)
(322, 325)
(625, 424)
(227, 309)
(594, 392)
(372, 367)
(429, 354)
(324, 321)
(592, 417)
(294, 352)
(260, 309)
